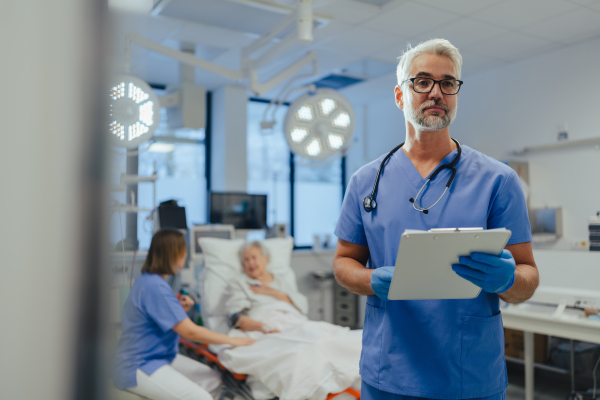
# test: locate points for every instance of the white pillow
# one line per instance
(222, 265)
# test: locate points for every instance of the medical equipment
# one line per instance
(370, 204)
(423, 264)
(319, 125)
(134, 111)
(213, 231)
(295, 28)
(546, 224)
(171, 215)
(242, 210)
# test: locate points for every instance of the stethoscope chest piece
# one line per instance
(369, 204)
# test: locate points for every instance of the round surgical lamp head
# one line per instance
(134, 111)
(319, 125)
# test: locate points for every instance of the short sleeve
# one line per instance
(350, 225)
(162, 307)
(509, 210)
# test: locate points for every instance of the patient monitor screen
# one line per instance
(211, 234)
(242, 210)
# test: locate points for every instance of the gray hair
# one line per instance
(440, 47)
(248, 245)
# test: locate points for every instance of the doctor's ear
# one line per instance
(398, 96)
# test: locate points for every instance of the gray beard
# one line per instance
(430, 123)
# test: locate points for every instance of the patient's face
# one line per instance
(255, 263)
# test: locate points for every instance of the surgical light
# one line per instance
(305, 113)
(319, 124)
(134, 111)
(327, 106)
(335, 140)
(313, 149)
(299, 134)
(342, 120)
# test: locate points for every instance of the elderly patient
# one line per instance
(260, 300)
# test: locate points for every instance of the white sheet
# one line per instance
(307, 360)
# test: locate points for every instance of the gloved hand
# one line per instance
(494, 274)
(381, 280)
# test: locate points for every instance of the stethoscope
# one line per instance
(370, 204)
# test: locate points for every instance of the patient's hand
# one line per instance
(186, 302)
(269, 291)
(248, 324)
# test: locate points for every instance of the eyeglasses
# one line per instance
(425, 85)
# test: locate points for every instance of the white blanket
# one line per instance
(307, 360)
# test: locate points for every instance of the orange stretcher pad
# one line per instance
(202, 350)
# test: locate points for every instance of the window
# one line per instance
(317, 189)
(317, 202)
(269, 163)
(180, 162)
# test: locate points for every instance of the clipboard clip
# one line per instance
(455, 229)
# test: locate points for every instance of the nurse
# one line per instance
(146, 360)
(434, 349)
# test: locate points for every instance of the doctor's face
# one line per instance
(255, 262)
(431, 111)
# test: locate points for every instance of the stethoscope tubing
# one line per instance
(370, 204)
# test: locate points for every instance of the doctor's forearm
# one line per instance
(352, 275)
(526, 281)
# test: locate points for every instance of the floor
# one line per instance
(548, 385)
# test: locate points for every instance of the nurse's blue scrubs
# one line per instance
(435, 349)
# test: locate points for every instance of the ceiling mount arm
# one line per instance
(262, 87)
(183, 57)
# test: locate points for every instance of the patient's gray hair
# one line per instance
(440, 47)
(248, 245)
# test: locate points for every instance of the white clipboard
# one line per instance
(425, 258)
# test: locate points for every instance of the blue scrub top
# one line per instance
(147, 341)
(441, 349)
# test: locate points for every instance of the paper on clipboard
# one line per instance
(425, 258)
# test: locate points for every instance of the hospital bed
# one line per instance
(221, 266)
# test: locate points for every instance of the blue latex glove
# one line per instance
(381, 280)
(494, 274)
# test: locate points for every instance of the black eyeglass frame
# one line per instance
(412, 80)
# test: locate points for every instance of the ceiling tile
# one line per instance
(390, 54)
(352, 12)
(332, 28)
(361, 41)
(463, 7)
(571, 27)
(463, 33)
(512, 46)
(224, 14)
(514, 14)
(410, 19)
(212, 36)
(474, 63)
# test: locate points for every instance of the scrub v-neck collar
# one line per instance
(411, 172)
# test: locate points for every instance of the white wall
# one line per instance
(521, 105)
(508, 108)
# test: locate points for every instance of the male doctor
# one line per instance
(434, 349)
